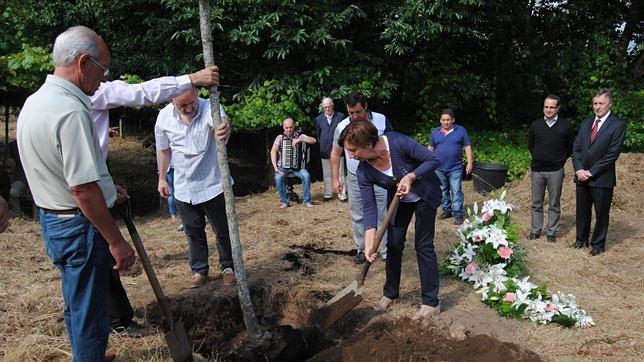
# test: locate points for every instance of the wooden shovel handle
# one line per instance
(147, 265)
(379, 234)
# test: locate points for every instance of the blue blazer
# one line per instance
(407, 156)
(599, 156)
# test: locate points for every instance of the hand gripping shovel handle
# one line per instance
(147, 266)
(379, 234)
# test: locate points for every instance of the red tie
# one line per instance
(593, 133)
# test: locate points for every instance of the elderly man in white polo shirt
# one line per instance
(184, 132)
(72, 187)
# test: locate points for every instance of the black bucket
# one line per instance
(489, 176)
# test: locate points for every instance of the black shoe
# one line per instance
(579, 244)
(597, 249)
(359, 258)
(458, 221)
(327, 199)
(552, 238)
(534, 236)
(445, 215)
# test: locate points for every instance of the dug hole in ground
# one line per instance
(298, 258)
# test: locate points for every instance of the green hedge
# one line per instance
(509, 148)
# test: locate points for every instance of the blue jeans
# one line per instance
(169, 177)
(303, 174)
(81, 254)
(451, 193)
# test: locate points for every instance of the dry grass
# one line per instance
(610, 286)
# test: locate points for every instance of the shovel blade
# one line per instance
(178, 343)
(337, 307)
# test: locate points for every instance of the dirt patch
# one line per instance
(406, 340)
(213, 319)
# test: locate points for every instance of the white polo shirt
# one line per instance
(58, 145)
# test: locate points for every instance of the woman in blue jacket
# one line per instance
(402, 166)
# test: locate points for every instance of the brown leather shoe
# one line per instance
(110, 356)
(229, 276)
(197, 280)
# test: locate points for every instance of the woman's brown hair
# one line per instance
(360, 134)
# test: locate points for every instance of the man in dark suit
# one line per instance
(594, 154)
(325, 125)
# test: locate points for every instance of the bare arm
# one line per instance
(431, 148)
(470, 159)
(336, 154)
(90, 200)
(274, 150)
(308, 139)
(163, 163)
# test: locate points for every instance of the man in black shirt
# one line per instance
(550, 141)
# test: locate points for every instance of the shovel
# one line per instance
(350, 296)
(177, 339)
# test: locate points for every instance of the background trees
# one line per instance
(493, 61)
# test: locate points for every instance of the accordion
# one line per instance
(293, 157)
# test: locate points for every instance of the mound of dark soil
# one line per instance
(406, 340)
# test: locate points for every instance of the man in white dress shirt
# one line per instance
(184, 132)
(118, 93)
(113, 94)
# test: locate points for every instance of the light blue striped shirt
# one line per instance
(197, 178)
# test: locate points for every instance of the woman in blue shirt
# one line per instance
(404, 167)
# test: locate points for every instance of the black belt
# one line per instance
(73, 211)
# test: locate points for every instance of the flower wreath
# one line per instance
(488, 257)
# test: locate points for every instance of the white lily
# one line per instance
(585, 321)
(483, 291)
(497, 273)
(464, 275)
(456, 258)
(480, 278)
(524, 285)
(496, 205)
(468, 252)
(479, 235)
(497, 237)
(521, 298)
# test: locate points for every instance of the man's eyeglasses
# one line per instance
(106, 72)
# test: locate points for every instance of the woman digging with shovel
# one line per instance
(406, 168)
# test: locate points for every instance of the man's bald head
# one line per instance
(289, 126)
